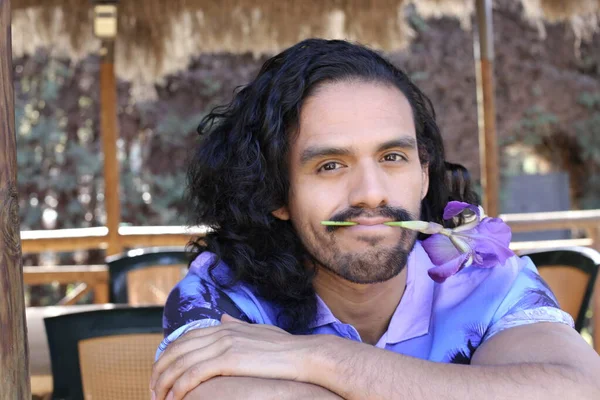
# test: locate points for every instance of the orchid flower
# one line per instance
(481, 241)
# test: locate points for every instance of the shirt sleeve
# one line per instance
(529, 300)
(195, 303)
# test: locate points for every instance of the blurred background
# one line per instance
(108, 96)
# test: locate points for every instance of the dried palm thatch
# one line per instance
(156, 37)
(582, 14)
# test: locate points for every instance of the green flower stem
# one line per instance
(401, 224)
(338, 223)
(429, 228)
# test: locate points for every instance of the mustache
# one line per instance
(394, 213)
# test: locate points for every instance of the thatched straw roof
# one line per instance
(156, 37)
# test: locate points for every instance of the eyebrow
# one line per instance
(316, 152)
(405, 142)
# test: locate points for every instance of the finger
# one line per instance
(181, 347)
(240, 326)
(229, 318)
(226, 318)
(199, 360)
(198, 374)
(204, 337)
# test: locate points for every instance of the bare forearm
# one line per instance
(362, 372)
(231, 388)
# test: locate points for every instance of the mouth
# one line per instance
(371, 221)
(360, 221)
(361, 226)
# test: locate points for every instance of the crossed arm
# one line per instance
(239, 360)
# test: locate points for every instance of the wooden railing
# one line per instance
(149, 236)
(95, 278)
(587, 221)
(97, 238)
(88, 278)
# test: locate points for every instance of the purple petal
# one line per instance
(496, 228)
(440, 249)
(442, 272)
(454, 208)
(490, 241)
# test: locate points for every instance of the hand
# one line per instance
(234, 348)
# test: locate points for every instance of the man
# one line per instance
(279, 306)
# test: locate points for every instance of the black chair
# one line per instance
(571, 273)
(119, 266)
(65, 332)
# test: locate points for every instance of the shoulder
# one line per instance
(515, 276)
(475, 304)
(209, 290)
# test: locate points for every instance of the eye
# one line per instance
(329, 166)
(394, 157)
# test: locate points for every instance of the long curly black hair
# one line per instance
(239, 173)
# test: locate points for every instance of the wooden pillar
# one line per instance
(14, 357)
(486, 109)
(109, 132)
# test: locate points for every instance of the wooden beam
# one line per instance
(64, 239)
(553, 220)
(101, 292)
(109, 132)
(89, 274)
(97, 238)
(519, 247)
(486, 109)
(150, 236)
(14, 357)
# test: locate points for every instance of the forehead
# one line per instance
(354, 112)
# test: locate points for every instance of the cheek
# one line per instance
(309, 208)
(409, 191)
(311, 200)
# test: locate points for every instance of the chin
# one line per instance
(380, 277)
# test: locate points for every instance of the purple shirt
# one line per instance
(442, 322)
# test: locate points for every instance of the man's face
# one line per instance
(355, 158)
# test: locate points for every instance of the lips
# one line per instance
(370, 221)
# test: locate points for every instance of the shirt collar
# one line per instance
(413, 315)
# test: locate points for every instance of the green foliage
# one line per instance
(417, 22)
(588, 130)
(535, 124)
(590, 100)
(538, 126)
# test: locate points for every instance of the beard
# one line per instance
(378, 263)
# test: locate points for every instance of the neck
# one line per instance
(367, 307)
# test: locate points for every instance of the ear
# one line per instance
(425, 185)
(281, 213)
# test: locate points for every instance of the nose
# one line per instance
(369, 189)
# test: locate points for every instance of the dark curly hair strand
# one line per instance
(239, 174)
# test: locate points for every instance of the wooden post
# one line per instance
(109, 132)
(486, 110)
(14, 357)
(101, 295)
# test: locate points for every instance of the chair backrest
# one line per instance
(151, 285)
(570, 272)
(120, 265)
(117, 367)
(64, 333)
